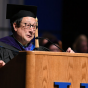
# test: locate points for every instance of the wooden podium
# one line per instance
(39, 69)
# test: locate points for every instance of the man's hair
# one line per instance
(18, 21)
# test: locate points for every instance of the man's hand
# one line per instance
(70, 50)
(2, 63)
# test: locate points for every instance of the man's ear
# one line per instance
(15, 26)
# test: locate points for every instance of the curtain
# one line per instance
(4, 23)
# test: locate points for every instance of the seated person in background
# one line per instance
(23, 23)
(52, 47)
(81, 44)
(51, 37)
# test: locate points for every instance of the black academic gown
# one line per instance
(8, 52)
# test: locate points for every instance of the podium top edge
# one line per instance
(54, 53)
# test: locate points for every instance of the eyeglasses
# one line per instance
(28, 26)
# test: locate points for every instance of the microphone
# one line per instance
(50, 42)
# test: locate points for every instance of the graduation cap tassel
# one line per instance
(36, 35)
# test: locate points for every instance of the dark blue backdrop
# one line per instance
(49, 15)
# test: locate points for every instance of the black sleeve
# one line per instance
(6, 55)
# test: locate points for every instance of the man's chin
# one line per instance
(29, 40)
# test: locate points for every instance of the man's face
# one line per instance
(25, 33)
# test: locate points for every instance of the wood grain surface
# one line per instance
(40, 69)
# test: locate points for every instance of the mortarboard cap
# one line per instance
(15, 12)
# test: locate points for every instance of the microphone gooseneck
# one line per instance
(50, 42)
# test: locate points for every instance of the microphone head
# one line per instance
(39, 38)
(36, 37)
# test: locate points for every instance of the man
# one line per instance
(23, 23)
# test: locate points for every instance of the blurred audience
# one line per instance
(81, 44)
(48, 35)
(52, 38)
(52, 47)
